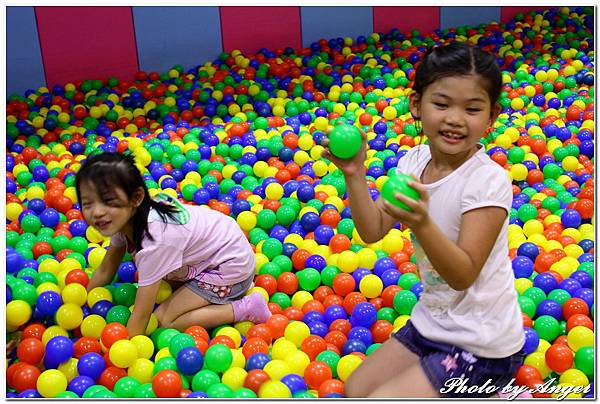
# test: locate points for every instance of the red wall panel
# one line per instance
(508, 12)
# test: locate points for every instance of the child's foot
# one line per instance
(251, 308)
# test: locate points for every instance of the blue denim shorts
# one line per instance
(453, 370)
(220, 294)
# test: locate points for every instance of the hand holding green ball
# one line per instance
(399, 183)
(344, 141)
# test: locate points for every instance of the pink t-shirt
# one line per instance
(210, 247)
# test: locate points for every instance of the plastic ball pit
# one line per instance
(243, 136)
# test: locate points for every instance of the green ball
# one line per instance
(165, 363)
(560, 296)
(281, 299)
(144, 391)
(164, 339)
(516, 155)
(31, 223)
(398, 184)
(372, 348)
(547, 328)
(118, 314)
(309, 279)
(536, 294)
(272, 248)
(25, 292)
(346, 226)
(285, 215)
(219, 390)
(78, 244)
(552, 170)
(91, 391)
(303, 394)
(284, 263)
(344, 141)
(243, 393)
(44, 277)
(124, 294)
(331, 359)
(328, 273)
(527, 212)
(125, 387)
(66, 394)
(388, 314)
(218, 358)
(204, 379)
(584, 360)
(266, 219)
(407, 280)
(180, 341)
(404, 301)
(270, 268)
(527, 305)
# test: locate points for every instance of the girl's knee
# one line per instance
(161, 317)
(356, 386)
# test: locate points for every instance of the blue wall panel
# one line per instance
(333, 22)
(24, 65)
(166, 36)
(456, 16)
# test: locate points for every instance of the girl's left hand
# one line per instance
(420, 208)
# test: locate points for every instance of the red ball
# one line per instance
(113, 332)
(339, 243)
(579, 319)
(77, 276)
(287, 283)
(166, 383)
(261, 331)
(35, 330)
(559, 358)
(30, 350)
(343, 284)
(197, 331)
(85, 345)
(313, 345)
(336, 338)
(525, 374)
(322, 292)
(110, 376)
(573, 306)
(293, 313)
(342, 325)
(352, 299)
(25, 377)
(331, 386)
(316, 373)
(381, 330)
(388, 295)
(255, 378)
(223, 340)
(267, 282)
(277, 324)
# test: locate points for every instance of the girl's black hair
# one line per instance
(459, 59)
(108, 171)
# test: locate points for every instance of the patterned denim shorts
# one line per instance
(448, 365)
(218, 294)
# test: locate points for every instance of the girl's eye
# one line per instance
(473, 110)
(440, 104)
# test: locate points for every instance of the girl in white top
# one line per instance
(466, 327)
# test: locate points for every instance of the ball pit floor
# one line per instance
(242, 135)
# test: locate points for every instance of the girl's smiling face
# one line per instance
(455, 111)
(110, 212)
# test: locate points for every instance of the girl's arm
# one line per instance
(144, 305)
(458, 263)
(106, 271)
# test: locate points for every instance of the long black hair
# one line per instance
(108, 171)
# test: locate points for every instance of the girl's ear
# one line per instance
(137, 197)
(414, 105)
(496, 108)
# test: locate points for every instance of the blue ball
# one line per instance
(49, 217)
(546, 282)
(91, 364)
(360, 273)
(353, 345)
(364, 314)
(587, 295)
(126, 272)
(549, 308)
(361, 333)
(190, 360)
(323, 233)
(315, 261)
(312, 315)
(78, 227)
(333, 313)
(584, 279)
(310, 221)
(48, 302)
(102, 307)
(570, 218)
(79, 384)
(29, 393)
(58, 350)
(522, 267)
(390, 277)
(257, 361)
(382, 265)
(294, 382)
(529, 250)
(532, 340)
(317, 327)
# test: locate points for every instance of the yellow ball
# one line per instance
(570, 163)
(123, 353)
(69, 263)
(69, 368)
(538, 361)
(580, 337)
(522, 284)
(164, 291)
(238, 358)
(234, 377)
(274, 191)
(69, 316)
(297, 362)
(282, 348)
(517, 103)
(163, 353)
(142, 370)
(346, 365)
(95, 257)
(13, 210)
(51, 383)
(52, 332)
(74, 293)
(143, 345)
(543, 346)
(347, 261)
(532, 227)
(247, 220)
(276, 369)
(503, 141)
(300, 298)
(49, 265)
(575, 377)
(296, 332)
(389, 113)
(392, 243)
(92, 326)
(18, 312)
(97, 294)
(274, 389)
(371, 286)
(366, 258)
(231, 333)
(518, 172)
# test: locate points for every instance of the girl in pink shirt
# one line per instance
(202, 251)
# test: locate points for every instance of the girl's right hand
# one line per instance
(352, 166)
